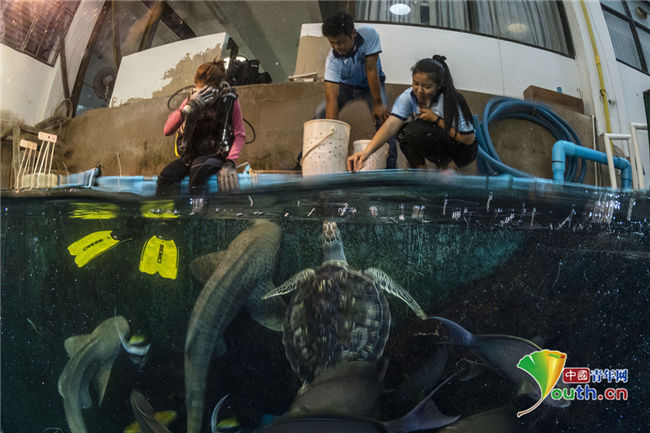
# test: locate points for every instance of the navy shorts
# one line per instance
(420, 140)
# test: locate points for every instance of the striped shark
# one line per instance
(91, 358)
(240, 275)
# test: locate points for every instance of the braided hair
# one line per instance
(438, 71)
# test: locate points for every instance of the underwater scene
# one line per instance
(359, 303)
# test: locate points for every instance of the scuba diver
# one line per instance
(210, 135)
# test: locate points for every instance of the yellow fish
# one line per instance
(164, 417)
(228, 424)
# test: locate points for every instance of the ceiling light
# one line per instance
(399, 9)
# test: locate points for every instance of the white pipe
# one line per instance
(610, 159)
(593, 146)
(635, 148)
(610, 162)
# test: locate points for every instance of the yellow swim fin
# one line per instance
(92, 245)
(159, 256)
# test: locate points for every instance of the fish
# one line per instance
(244, 268)
(145, 417)
(36, 329)
(91, 358)
(345, 399)
(230, 425)
(502, 353)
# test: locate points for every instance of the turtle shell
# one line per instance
(338, 315)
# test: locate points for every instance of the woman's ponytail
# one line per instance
(439, 72)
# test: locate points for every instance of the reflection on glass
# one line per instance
(640, 11)
(537, 23)
(622, 39)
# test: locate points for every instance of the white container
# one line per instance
(38, 180)
(325, 146)
(376, 161)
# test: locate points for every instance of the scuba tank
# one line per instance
(209, 131)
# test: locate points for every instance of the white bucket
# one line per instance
(376, 161)
(325, 146)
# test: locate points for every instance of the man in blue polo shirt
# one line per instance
(353, 71)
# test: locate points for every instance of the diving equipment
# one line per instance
(90, 246)
(159, 256)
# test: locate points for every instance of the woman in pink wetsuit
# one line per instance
(210, 134)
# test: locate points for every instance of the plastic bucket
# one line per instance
(376, 161)
(325, 146)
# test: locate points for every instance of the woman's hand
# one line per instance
(227, 178)
(428, 115)
(199, 99)
(356, 160)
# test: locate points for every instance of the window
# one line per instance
(629, 27)
(123, 28)
(537, 23)
(36, 28)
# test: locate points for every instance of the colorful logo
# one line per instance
(545, 367)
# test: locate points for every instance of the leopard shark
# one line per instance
(239, 276)
(91, 358)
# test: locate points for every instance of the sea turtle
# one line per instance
(337, 313)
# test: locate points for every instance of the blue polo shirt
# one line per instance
(406, 108)
(351, 70)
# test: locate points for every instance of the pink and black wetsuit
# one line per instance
(200, 166)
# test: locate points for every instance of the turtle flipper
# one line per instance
(270, 312)
(291, 284)
(388, 285)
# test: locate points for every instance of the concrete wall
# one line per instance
(161, 70)
(277, 111)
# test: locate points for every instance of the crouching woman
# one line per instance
(431, 120)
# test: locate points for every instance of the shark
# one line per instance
(91, 358)
(238, 277)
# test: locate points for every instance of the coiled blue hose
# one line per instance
(499, 108)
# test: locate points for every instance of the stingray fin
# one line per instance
(424, 416)
(270, 312)
(388, 285)
(203, 267)
(75, 343)
(457, 333)
(422, 381)
(101, 382)
(291, 284)
(473, 369)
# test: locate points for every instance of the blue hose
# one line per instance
(499, 108)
